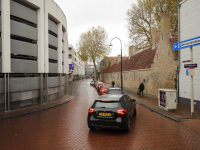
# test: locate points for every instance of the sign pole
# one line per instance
(192, 85)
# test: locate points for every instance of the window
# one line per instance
(126, 101)
(107, 104)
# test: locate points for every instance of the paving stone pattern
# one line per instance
(65, 127)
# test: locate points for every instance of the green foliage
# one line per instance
(109, 63)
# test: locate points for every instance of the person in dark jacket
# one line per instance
(141, 88)
(113, 83)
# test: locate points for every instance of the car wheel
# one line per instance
(128, 125)
(135, 112)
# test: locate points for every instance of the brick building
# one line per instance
(155, 66)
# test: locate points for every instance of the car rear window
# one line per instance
(107, 104)
(115, 92)
(105, 87)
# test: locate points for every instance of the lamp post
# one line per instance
(121, 59)
(103, 70)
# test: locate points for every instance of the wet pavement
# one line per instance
(65, 127)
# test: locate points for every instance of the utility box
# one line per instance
(167, 99)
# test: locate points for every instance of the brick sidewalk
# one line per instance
(23, 111)
(182, 114)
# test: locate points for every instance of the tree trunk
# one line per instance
(95, 73)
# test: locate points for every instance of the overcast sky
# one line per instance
(110, 14)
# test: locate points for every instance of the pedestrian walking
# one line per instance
(141, 88)
(113, 83)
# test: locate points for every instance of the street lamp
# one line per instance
(121, 59)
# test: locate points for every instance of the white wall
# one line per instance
(5, 14)
(79, 66)
(189, 28)
(46, 8)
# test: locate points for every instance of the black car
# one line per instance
(112, 111)
(94, 84)
(115, 91)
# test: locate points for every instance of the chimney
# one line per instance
(164, 23)
(118, 58)
(155, 37)
(112, 62)
(130, 51)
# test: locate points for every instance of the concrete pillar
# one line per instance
(60, 47)
(6, 48)
(46, 39)
(66, 54)
(60, 76)
(41, 42)
(41, 88)
(46, 87)
(66, 83)
(5, 92)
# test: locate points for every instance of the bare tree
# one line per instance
(145, 16)
(140, 24)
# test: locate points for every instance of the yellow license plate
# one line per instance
(104, 114)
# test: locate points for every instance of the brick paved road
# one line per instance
(65, 127)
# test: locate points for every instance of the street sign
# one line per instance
(190, 72)
(190, 66)
(71, 66)
(187, 43)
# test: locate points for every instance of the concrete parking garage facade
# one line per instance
(34, 53)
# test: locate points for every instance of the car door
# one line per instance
(131, 105)
(126, 104)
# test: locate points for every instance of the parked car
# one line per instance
(115, 91)
(92, 83)
(104, 89)
(112, 111)
(98, 84)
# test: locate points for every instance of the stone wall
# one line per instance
(160, 75)
(131, 79)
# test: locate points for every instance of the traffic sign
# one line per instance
(190, 66)
(71, 66)
(190, 72)
(187, 43)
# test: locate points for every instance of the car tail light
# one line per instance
(91, 110)
(121, 112)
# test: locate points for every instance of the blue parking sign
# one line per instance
(187, 43)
